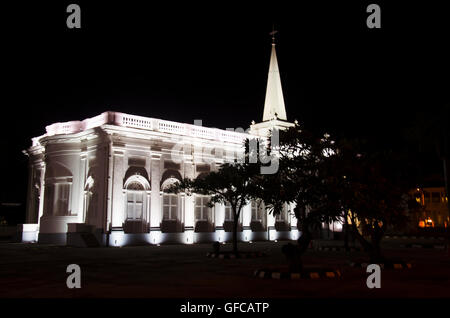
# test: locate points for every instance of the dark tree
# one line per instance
(430, 133)
(232, 183)
(376, 193)
(305, 177)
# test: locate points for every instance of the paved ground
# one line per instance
(31, 270)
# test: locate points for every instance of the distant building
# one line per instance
(101, 180)
(435, 212)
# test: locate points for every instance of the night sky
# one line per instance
(209, 60)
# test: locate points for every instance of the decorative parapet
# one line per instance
(133, 121)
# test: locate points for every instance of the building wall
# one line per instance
(108, 166)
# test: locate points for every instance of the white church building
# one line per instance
(101, 181)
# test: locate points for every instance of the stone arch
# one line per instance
(57, 170)
(170, 174)
(136, 171)
(133, 182)
(168, 182)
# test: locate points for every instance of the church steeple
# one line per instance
(274, 103)
(274, 116)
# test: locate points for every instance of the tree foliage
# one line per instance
(376, 191)
(232, 183)
(305, 178)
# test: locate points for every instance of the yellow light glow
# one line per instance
(429, 222)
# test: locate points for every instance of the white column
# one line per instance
(109, 184)
(41, 196)
(219, 215)
(31, 200)
(295, 234)
(246, 215)
(117, 208)
(293, 219)
(148, 194)
(270, 219)
(189, 203)
(246, 219)
(271, 226)
(81, 205)
(148, 202)
(156, 211)
(189, 217)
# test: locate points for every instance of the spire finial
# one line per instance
(273, 34)
(274, 103)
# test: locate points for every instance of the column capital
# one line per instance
(155, 156)
(118, 153)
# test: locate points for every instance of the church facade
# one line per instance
(101, 181)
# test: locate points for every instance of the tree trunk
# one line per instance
(293, 257)
(346, 232)
(294, 253)
(235, 226)
(373, 249)
(377, 236)
(235, 248)
(367, 247)
(303, 242)
(375, 254)
(305, 239)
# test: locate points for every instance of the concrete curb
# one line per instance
(397, 265)
(234, 256)
(429, 246)
(440, 238)
(313, 274)
(338, 249)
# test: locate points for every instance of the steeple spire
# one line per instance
(274, 103)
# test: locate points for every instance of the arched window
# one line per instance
(136, 188)
(171, 201)
(257, 211)
(58, 198)
(135, 201)
(202, 210)
(204, 218)
(228, 212)
(283, 215)
(282, 219)
(258, 221)
(58, 190)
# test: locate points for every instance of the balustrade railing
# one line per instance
(133, 121)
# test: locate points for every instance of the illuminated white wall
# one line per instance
(219, 214)
(97, 154)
